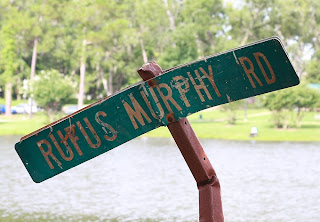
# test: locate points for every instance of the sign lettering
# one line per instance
(248, 71)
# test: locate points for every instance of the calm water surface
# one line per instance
(148, 180)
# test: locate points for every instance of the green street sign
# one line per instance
(251, 70)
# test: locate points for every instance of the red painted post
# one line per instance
(210, 204)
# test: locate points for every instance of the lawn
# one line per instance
(210, 123)
(20, 124)
(214, 125)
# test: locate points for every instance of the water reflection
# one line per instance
(148, 180)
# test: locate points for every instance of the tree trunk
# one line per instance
(300, 66)
(104, 82)
(171, 19)
(50, 114)
(34, 58)
(246, 35)
(82, 75)
(8, 98)
(170, 16)
(33, 69)
(144, 53)
(300, 114)
(110, 81)
(212, 45)
(249, 29)
(119, 82)
(143, 50)
(198, 43)
(98, 79)
(18, 88)
(315, 26)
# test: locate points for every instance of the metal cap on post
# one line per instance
(210, 204)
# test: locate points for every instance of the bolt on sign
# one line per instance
(251, 70)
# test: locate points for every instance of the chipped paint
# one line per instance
(228, 97)
(235, 57)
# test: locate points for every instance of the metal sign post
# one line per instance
(210, 205)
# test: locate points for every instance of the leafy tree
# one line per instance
(52, 90)
(185, 49)
(313, 68)
(251, 21)
(207, 19)
(292, 21)
(295, 101)
(80, 27)
(198, 32)
(8, 62)
(103, 42)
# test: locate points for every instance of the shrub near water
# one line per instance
(289, 105)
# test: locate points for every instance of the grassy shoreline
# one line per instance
(211, 125)
(214, 126)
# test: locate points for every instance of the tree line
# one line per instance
(96, 45)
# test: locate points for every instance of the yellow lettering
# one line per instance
(135, 113)
(48, 153)
(168, 97)
(71, 134)
(71, 155)
(210, 77)
(106, 127)
(273, 77)
(249, 71)
(181, 81)
(161, 114)
(200, 86)
(97, 145)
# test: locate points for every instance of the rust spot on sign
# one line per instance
(70, 131)
(151, 83)
(170, 117)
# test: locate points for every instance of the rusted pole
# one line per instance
(210, 204)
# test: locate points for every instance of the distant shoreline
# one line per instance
(208, 124)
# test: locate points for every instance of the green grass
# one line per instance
(212, 125)
(20, 124)
(13, 103)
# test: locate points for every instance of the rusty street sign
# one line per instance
(251, 70)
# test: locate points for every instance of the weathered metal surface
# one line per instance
(210, 204)
(192, 150)
(240, 73)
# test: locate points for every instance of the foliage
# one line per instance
(291, 103)
(52, 90)
(8, 56)
(313, 68)
(8, 62)
(114, 38)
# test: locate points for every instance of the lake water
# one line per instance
(147, 180)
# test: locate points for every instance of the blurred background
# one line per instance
(58, 56)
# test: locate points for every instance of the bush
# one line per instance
(51, 90)
(289, 105)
